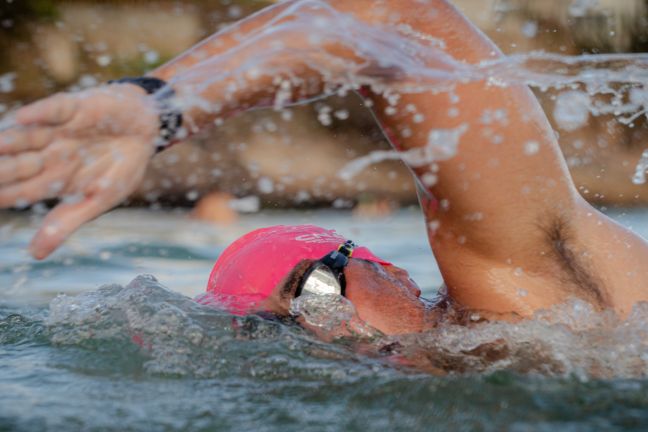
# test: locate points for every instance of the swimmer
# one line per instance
(509, 231)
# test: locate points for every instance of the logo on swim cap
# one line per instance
(324, 237)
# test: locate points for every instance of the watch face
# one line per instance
(321, 281)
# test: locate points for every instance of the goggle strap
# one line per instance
(336, 260)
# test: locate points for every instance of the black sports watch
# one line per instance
(170, 116)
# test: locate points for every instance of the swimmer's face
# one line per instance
(385, 297)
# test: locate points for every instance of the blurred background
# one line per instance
(262, 160)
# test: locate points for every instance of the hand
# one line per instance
(90, 149)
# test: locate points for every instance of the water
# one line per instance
(145, 357)
(87, 345)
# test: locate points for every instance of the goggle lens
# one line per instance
(321, 281)
(326, 276)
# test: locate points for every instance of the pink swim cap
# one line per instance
(247, 271)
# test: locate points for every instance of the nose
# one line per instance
(415, 289)
(411, 285)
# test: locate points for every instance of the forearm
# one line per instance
(263, 60)
(296, 51)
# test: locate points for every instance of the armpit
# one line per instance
(576, 274)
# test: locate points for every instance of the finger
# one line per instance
(19, 139)
(20, 167)
(47, 184)
(64, 220)
(107, 189)
(53, 111)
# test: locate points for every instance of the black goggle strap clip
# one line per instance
(339, 259)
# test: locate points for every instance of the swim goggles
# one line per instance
(326, 276)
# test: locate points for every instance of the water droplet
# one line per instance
(531, 148)
(51, 230)
(429, 179)
(265, 185)
(7, 82)
(151, 57)
(530, 29)
(104, 60)
(342, 114)
(580, 8)
(192, 195)
(250, 204)
(572, 110)
(434, 225)
(639, 176)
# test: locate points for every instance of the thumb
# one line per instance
(62, 221)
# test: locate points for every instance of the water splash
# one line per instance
(639, 176)
(180, 337)
(442, 145)
(324, 311)
(177, 336)
(392, 61)
(569, 339)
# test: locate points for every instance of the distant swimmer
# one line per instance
(509, 231)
